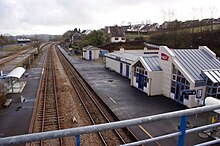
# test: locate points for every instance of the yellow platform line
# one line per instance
(145, 131)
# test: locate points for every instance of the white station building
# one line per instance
(170, 72)
(93, 53)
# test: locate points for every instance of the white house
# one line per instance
(116, 34)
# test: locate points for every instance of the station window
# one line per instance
(183, 80)
(174, 70)
(174, 77)
(179, 73)
(214, 90)
(145, 72)
(218, 90)
(173, 83)
(173, 90)
(135, 74)
(178, 80)
(186, 97)
(145, 84)
(140, 70)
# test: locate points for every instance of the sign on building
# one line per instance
(164, 57)
(188, 92)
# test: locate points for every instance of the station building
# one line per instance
(120, 61)
(92, 52)
(169, 72)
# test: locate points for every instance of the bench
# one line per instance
(7, 102)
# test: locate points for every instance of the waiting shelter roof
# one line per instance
(16, 73)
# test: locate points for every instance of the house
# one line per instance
(75, 37)
(23, 41)
(116, 34)
(190, 23)
(206, 21)
(86, 32)
(149, 27)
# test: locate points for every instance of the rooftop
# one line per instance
(90, 48)
(152, 62)
(123, 56)
(196, 60)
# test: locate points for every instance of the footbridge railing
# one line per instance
(26, 138)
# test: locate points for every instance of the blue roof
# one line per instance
(152, 62)
(195, 60)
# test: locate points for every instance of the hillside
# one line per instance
(132, 45)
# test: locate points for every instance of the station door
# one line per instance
(178, 96)
(90, 55)
(140, 81)
(121, 68)
(127, 71)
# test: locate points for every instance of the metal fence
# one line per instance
(121, 124)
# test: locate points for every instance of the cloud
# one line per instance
(43, 15)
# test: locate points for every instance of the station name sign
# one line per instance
(188, 92)
(164, 57)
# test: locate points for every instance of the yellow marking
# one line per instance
(145, 131)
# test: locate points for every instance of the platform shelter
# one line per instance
(15, 82)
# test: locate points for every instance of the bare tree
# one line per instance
(164, 14)
(201, 10)
(194, 13)
(36, 43)
(170, 14)
(213, 11)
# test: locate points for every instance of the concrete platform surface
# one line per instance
(15, 120)
(128, 102)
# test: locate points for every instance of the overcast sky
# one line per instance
(58, 16)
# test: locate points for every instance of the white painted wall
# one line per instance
(95, 54)
(155, 81)
(112, 64)
(115, 65)
(192, 102)
(166, 66)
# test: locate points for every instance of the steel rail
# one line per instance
(69, 74)
(76, 77)
(55, 96)
(50, 69)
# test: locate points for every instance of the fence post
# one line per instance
(77, 140)
(182, 130)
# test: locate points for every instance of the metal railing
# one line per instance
(119, 124)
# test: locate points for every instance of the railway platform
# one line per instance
(16, 118)
(128, 102)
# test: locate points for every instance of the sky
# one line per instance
(57, 16)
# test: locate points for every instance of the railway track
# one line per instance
(96, 109)
(47, 116)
